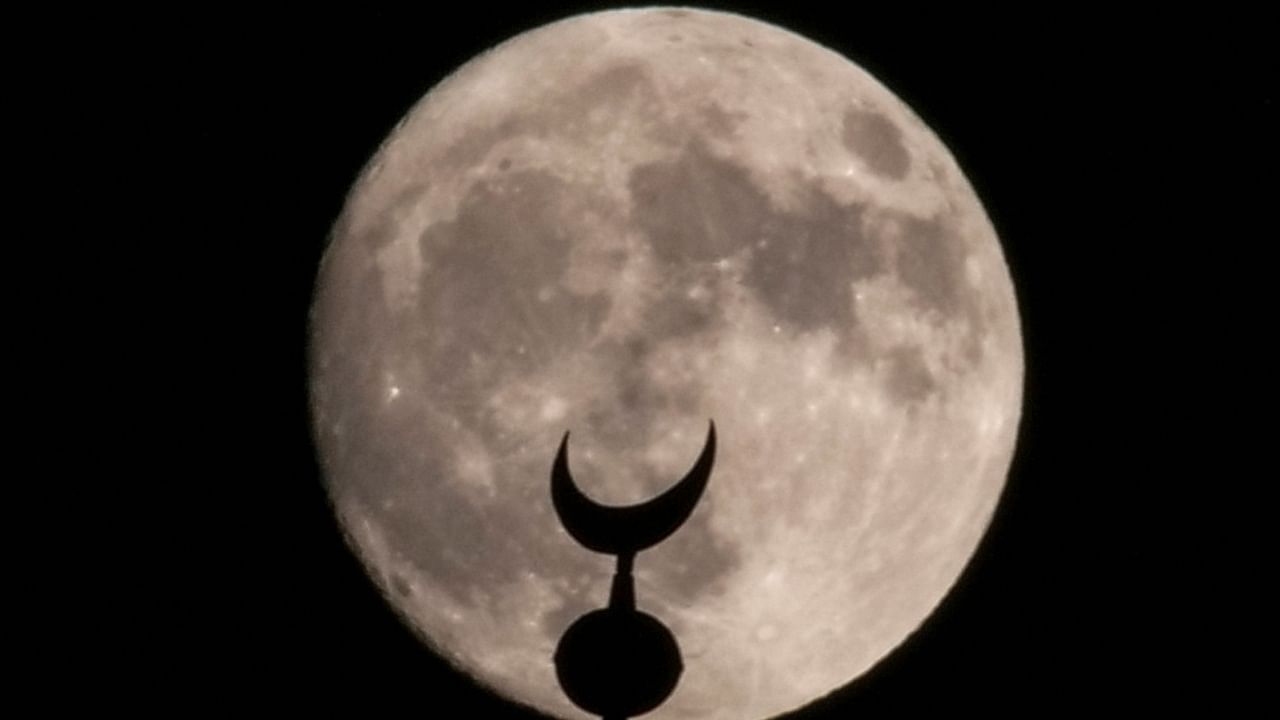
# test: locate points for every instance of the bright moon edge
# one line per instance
(857, 410)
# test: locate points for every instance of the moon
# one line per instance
(624, 224)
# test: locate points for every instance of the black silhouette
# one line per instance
(618, 661)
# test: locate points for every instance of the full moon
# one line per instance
(623, 225)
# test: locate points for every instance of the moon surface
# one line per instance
(624, 224)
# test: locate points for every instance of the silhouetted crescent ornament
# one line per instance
(628, 529)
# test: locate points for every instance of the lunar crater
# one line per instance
(877, 141)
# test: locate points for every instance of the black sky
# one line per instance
(1090, 138)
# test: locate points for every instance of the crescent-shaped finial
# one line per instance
(628, 529)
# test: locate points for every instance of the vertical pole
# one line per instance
(622, 595)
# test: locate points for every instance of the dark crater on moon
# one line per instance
(909, 379)
(801, 264)
(695, 208)
(400, 585)
(699, 208)
(930, 261)
(804, 264)
(878, 141)
(492, 282)
(721, 123)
